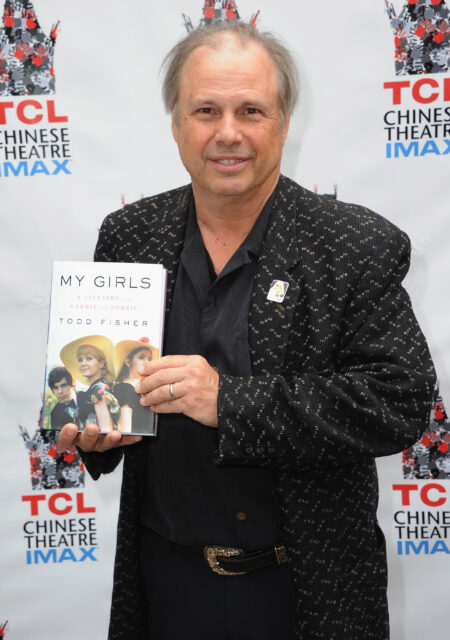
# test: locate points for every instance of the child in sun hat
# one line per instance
(90, 360)
(130, 357)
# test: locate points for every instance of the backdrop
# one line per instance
(82, 131)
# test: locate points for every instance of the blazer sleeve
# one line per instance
(374, 401)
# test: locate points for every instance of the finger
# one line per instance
(127, 439)
(68, 435)
(206, 417)
(162, 394)
(88, 438)
(173, 406)
(115, 439)
(161, 378)
(167, 362)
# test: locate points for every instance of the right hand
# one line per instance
(91, 440)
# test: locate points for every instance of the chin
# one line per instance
(229, 188)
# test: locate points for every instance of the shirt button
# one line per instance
(241, 516)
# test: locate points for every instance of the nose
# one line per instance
(229, 130)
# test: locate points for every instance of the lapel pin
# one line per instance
(277, 291)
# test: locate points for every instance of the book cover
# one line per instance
(106, 320)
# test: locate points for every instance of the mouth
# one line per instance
(229, 162)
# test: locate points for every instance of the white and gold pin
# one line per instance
(277, 291)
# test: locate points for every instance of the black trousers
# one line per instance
(187, 601)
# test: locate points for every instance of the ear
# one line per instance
(128, 362)
(285, 128)
(174, 128)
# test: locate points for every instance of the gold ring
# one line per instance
(171, 391)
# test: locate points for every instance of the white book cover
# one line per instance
(106, 320)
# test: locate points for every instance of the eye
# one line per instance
(251, 110)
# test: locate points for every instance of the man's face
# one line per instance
(228, 126)
(63, 391)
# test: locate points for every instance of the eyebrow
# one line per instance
(246, 102)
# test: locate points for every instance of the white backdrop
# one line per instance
(118, 148)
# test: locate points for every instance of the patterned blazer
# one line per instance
(341, 374)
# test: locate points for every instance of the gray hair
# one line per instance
(285, 66)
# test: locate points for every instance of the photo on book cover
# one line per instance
(90, 377)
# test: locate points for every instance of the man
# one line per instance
(294, 360)
(60, 382)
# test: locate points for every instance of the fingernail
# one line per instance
(91, 431)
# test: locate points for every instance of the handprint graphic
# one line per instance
(26, 52)
(421, 36)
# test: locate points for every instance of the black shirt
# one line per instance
(62, 413)
(187, 498)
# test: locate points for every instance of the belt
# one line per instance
(229, 561)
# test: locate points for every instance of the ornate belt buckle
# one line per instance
(281, 554)
(211, 554)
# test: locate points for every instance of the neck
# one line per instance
(231, 214)
(225, 221)
(93, 379)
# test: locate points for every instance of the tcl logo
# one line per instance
(58, 503)
(30, 111)
(431, 494)
(423, 91)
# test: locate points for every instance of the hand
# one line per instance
(41, 54)
(195, 387)
(91, 440)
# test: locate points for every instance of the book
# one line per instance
(106, 320)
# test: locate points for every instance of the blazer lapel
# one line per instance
(270, 322)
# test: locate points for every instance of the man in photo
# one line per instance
(65, 410)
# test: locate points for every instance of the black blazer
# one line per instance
(341, 374)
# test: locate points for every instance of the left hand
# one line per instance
(195, 387)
